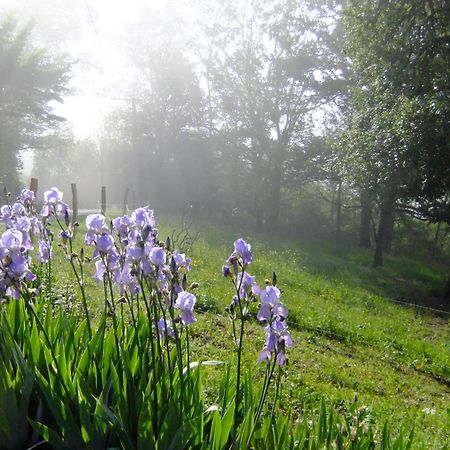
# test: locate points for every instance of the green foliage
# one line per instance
(72, 391)
(399, 100)
(77, 392)
(30, 80)
(353, 339)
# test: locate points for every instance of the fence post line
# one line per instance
(103, 202)
(34, 185)
(125, 201)
(74, 206)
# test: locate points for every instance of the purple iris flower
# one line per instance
(162, 279)
(181, 260)
(277, 339)
(100, 271)
(264, 313)
(271, 308)
(95, 224)
(264, 355)
(12, 239)
(45, 251)
(27, 197)
(23, 224)
(165, 326)
(122, 225)
(5, 214)
(185, 303)
(14, 264)
(143, 216)
(125, 279)
(226, 272)
(271, 295)
(105, 242)
(242, 250)
(18, 266)
(157, 256)
(53, 196)
(244, 282)
(64, 235)
(18, 209)
(134, 253)
(53, 199)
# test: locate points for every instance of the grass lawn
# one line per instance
(351, 340)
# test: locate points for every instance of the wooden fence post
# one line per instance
(125, 201)
(34, 185)
(103, 203)
(74, 206)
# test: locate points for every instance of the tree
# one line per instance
(270, 70)
(397, 136)
(30, 80)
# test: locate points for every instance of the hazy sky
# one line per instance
(90, 31)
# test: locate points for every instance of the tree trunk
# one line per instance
(384, 234)
(339, 213)
(259, 218)
(366, 213)
(389, 228)
(447, 290)
(274, 218)
(378, 255)
(435, 241)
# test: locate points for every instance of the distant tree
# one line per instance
(397, 140)
(30, 81)
(270, 69)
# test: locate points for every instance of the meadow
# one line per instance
(364, 362)
(352, 339)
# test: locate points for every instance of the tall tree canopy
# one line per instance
(397, 141)
(30, 81)
(270, 68)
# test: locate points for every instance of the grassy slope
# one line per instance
(351, 340)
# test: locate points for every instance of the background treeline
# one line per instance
(323, 119)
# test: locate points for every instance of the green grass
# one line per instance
(351, 340)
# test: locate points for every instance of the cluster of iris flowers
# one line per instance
(128, 252)
(271, 311)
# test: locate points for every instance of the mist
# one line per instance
(255, 113)
(225, 224)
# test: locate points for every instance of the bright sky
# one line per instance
(90, 32)
(99, 88)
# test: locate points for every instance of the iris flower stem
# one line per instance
(239, 353)
(113, 304)
(169, 363)
(262, 400)
(49, 276)
(277, 393)
(50, 345)
(130, 302)
(179, 352)
(188, 360)
(152, 349)
(105, 294)
(155, 317)
(80, 280)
